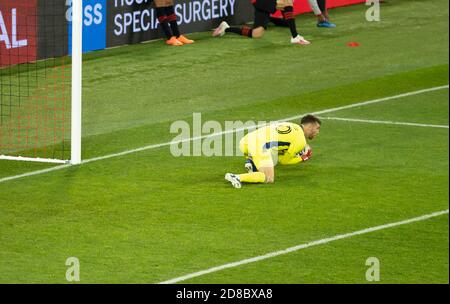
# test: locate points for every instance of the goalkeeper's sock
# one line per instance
(253, 178)
(172, 19)
(279, 21)
(162, 18)
(288, 15)
(244, 31)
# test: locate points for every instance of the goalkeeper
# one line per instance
(283, 142)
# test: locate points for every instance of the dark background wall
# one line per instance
(52, 31)
(46, 24)
(137, 22)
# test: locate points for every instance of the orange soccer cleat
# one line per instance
(174, 41)
(185, 40)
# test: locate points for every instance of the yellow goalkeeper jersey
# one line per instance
(285, 139)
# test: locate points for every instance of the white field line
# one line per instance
(35, 160)
(303, 246)
(386, 122)
(354, 105)
(155, 146)
(38, 172)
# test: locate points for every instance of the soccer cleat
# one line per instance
(326, 24)
(220, 31)
(300, 40)
(174, 41)
(234, 180)
(185, 40)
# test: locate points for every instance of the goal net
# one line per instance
(40, 81)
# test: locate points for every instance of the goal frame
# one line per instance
(76, 93)
(77, 64)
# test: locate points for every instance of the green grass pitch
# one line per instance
(148, 217)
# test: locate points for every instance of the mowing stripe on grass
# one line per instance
(386, 122)
(38, 172)
(366, 103)
(303, 246)
(155, 146)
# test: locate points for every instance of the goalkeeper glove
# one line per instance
(306, 155)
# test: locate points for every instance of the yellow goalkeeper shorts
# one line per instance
(261, 158)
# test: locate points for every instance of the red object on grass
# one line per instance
(353, 44)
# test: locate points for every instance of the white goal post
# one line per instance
(77, 64)
(40, 112)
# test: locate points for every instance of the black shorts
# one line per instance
(269, 6)
(262, 18)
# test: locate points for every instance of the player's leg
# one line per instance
(323, 7)
(160, 6)
(287, 10)
(281, 22)
(317, 11)
(289, 16)
(269, 173)
(172, 19)
(243, 147)
(257, 32)
(262, 163)
(320, 10)
(262, 18)
(263, 175)
(265, 171)
(245, 31)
